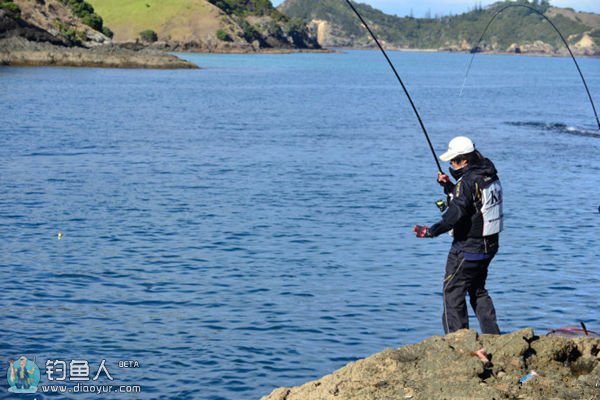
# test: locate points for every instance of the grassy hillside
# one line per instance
(205, 23)
(175, 20)
(515, 25)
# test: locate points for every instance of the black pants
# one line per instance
(464, 277)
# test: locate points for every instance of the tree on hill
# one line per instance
(8, 5)
(274, 29)
(85, 11)
(223, 36)
(148, 36)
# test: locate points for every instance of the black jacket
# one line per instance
(464, 214)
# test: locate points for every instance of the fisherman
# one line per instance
(474, 218)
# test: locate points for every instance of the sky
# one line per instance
(444, 7)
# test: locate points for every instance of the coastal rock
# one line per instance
(465, 46)
(18, 51)
(587, 46)
(537, 47)
(445, 367)
(328, 34)
(321, 30)
(514, 48)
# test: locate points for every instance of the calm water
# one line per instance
(248, 225)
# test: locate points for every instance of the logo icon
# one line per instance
(23, 376)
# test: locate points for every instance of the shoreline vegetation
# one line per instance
(465, 365)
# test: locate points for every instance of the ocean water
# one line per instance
(248, 225)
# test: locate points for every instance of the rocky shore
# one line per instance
(25, 43)
(454, 367)
(17, 51)
(220, 48)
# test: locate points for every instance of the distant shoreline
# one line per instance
(504, 53)
(18, 52)
(258, 52)
(343, 49)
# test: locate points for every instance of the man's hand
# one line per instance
(422, 231)
(445, 182)
(443, 179)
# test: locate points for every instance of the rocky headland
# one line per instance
(455, 367)
(18, 51)
(27, 40)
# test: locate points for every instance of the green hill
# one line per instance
(204, 24)
(515, 28)
(175, 20)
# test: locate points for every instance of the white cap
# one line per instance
(457, 146)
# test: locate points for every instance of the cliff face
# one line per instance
(12, 26)
(448, 367)
(329, 34)
(57, 19)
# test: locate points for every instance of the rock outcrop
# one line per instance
(18, 51)
(26, 43)
(329, 34)
(587, 46)
(447, 368)
(537, 47)
(12, 26)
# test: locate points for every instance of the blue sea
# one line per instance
(248, 225)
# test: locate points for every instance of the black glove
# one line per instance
(422, 231)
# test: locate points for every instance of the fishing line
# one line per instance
(401, 83)
(559, 34)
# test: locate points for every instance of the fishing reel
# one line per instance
(442, 205)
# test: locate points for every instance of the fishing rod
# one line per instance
(559, 34)
(401, 83)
